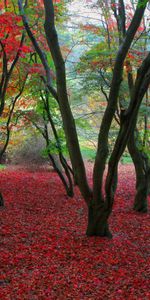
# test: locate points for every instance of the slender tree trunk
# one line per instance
(140, 201)
(66, 113)
(102, 149)
(1, 200)
(137, 156)
(61, 95)
(128, 123)
(148, 178)
(63, 162)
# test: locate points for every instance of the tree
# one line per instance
(42, 118)
(7, 115)
(114, 30)
(11, 43)
(139, 157)
(99, 206)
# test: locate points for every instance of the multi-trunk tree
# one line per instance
(98, 62)
(99, 204)
(139, 158)
(46, 44)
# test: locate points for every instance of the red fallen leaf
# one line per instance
(45, 253)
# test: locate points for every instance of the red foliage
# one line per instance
(90, 27)
(46, 255)
(10, 35)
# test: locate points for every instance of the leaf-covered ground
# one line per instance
(46, 255)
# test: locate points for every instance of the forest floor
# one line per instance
(45, 254)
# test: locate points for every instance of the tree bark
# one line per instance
(1, 200)
(140, 201)
(97, 226)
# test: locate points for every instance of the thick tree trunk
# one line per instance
(140, 201)
(97, 226)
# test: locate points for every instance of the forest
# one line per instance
(74, 149)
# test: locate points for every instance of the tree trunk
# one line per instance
(1, 200)
(148, 178)
(102, 148)
(66, 113)
(128, 123)
(140, 201)
(97, 226)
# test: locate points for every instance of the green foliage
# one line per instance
(83, 123)
(143, 3)
(88, 153)
(2, 167)
(126, 159)
(50, 149)
(53, 147)
(144, 147)
(144, 110)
